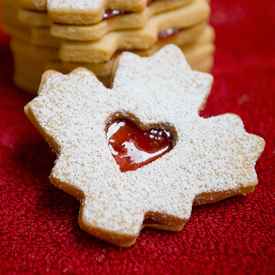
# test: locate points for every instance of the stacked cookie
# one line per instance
(63, 35)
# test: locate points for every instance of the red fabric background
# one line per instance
(38, 223)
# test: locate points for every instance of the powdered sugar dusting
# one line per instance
(75, 4)
(210, 155)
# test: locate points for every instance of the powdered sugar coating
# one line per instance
(75, 4)
(82, 12)
(210, 155)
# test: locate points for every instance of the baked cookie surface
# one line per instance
(211, 159)
(133, 20)
(89, 11)
(141, 39)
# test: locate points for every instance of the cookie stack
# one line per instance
(64, 35)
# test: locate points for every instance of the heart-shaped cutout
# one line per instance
(132, 147)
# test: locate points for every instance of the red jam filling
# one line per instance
(168, 33)
(109, 14)
(132, 147)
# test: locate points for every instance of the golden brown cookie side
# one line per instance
(33, 18)
(70, 189)
(164, 222)
(91, 15)
(126, 21)
(212, 197)
(117, 238)
(103, 49)
(38, 5)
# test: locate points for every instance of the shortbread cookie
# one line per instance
(120, 22)
(33, 18)
(205, 64)
(26, 53)
(204, 35)
(32, 51)
(89, 11)
(211, 158)
(11, 26)
(36, 5)
(78, 32)
(186, 38)
(44, 58)
(102, 50)
(198, 53)
(41, 37)
(26, 83)
(9, 3)
(31, 79)
(29, 64)
(201, 48)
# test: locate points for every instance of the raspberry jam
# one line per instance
(163, 35)
(109, 14)
(132, 147)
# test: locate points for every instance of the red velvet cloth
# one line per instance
(38, 222)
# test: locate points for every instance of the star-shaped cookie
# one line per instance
(89, 11)
(211, 159)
